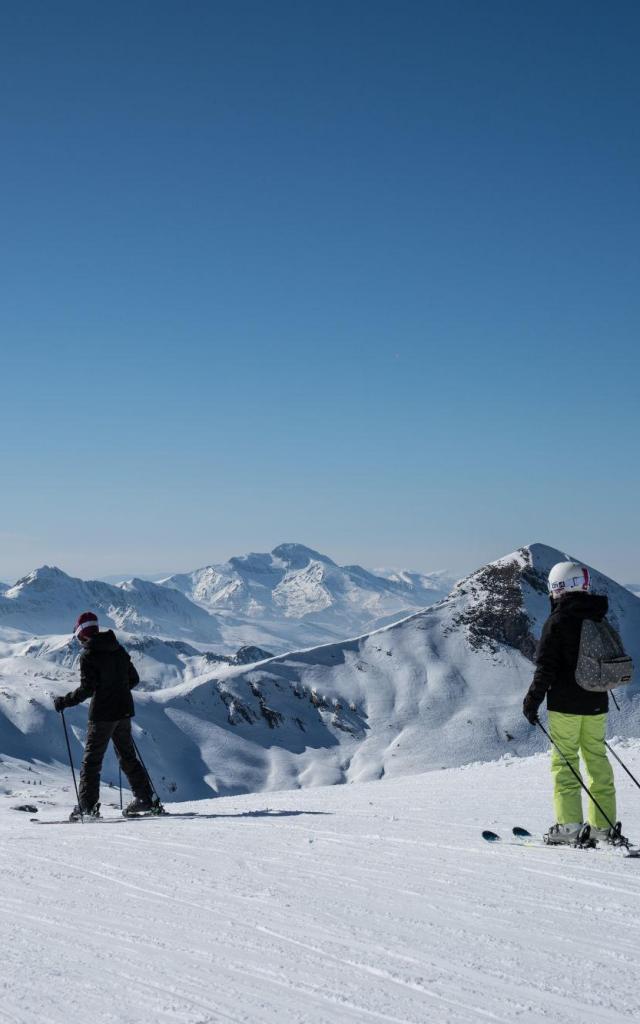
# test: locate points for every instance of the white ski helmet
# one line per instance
(568, 576)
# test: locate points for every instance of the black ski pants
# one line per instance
(98, 736)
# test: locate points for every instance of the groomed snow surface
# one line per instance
(371, 902)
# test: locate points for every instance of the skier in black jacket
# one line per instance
(107, 675)
(577, 717)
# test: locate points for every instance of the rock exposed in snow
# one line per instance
(249, 655)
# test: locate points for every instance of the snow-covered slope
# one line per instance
(349, 905)
(302, 597)
(440, 688)
(47, 601)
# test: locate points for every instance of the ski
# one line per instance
(522, 837)
(517, 832)
(112, 821)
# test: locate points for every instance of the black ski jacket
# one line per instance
(107, 675)
(557, 656)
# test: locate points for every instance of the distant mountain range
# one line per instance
(290, 598)
(295, 595)
(443, 686)
(47, 601)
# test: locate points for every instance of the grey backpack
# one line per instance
(602, 662)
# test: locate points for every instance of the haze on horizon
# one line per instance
(359, 275)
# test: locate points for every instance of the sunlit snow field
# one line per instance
(372, 902)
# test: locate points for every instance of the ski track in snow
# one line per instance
(377, 902)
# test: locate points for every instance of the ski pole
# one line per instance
(586, 788)
(120, 784)
(611, 751)
(622, 764)
(73, 772)
(144, 768)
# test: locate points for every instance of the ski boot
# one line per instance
(81, 814)
(574, 833)
(142, 806)
(610, 836)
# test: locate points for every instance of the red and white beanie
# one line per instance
(86, 626)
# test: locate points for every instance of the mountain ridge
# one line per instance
(308, 590)
(440, 687)
(286, 599)
(48, 601)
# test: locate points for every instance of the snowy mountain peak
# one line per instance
(299, 597)
(138, 585)
(283, 559)
(415, 580)
(298, 556)
(507, 600)
(48, 601)
(535, 562)
(41, 578)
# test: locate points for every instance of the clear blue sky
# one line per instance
(359, 274)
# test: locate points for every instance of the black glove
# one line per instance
(530, 706)
(59, 703)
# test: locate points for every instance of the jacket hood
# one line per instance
(102, 642)
(583, 606)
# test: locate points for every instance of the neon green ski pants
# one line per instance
(583, 733)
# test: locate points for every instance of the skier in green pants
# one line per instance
(577, 717)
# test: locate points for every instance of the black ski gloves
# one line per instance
(530, 706)
(59, 703)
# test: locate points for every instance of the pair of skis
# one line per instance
(519, 833)
(522, 837)
(89, 819)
